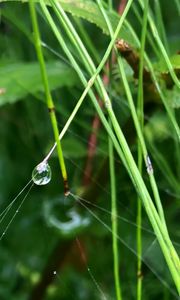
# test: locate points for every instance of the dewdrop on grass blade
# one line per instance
(41, 175)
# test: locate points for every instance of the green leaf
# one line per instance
(89, 11)
(173, 97)
(157, 128)
(20, 79)
(161, 66)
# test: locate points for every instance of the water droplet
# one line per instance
(41, 174)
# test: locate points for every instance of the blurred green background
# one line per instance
(43, 253)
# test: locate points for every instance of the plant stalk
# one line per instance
(49, 100)
(114, 221)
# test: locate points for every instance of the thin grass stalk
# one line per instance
(161, 47)
(142, 142)
(87, 40)
(161, 233)
(140, 113)
(177, 3)
(160, 24)
(136, 121)
(163, 166)
(165, 102)
(110, 4)
(153, 183)
(129, 163)
(86, 84)
(176, 142)
(161, 94)
(49, 100)
(139, 235)
(171, 248)
(149, 37)
(80, 45)
(84, 81)
(107, 101)
(114, 221)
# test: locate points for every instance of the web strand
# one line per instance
(127, 246)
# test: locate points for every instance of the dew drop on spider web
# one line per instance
(41, 174)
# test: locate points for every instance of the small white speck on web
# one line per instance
(149, 166)
(108, 104)
(54, 272)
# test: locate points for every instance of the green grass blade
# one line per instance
(114, 221)
(126, 157)
(49, 100)
(140, 113)
(161, 47)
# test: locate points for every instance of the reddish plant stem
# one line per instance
(92, 141)
(92, 144)
(122, 6)
(82, 250)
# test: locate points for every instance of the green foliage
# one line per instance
(40, 242)
(175, 61)
(20, 79)
(90, 12)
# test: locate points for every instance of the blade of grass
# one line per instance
(50, 104)
(177, 3)
(164, 167)
(149, 36)
(140, 113)
(126, 156)
(87, 40)
(114, 221)
(107, 100)
(161, 47)
(86, 84)
(135, 119)
(173, 265)
(104, 93)
(160, 24)
(157, 85)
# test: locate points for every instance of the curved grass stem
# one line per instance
(174, 263)
(161, 47)
(49, 100)
(114, 221)
(119, 140)
(140, 113)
